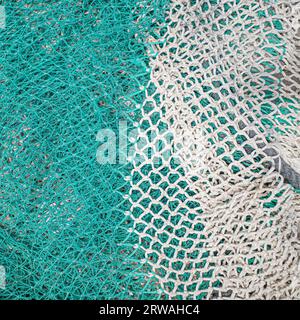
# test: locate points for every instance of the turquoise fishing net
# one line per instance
(68, 69)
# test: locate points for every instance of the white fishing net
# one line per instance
(219, 217)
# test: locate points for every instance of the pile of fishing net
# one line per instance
(207, 206)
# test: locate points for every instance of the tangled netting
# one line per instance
(219, 218)
(208, 207)
(68, 69)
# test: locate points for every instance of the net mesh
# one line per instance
(209, 206)
(68, 69)
(219, 218)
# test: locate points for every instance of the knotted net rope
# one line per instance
(68, 69)
(208, 207)
(219, 218)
